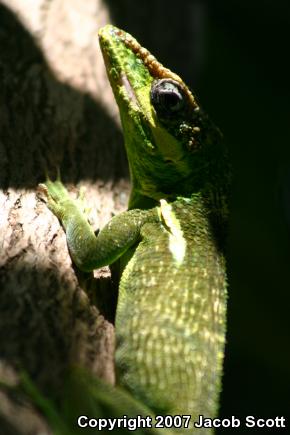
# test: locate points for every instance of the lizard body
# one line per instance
(170, 319)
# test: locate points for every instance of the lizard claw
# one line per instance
(42, 188)
(55, 194)
(42, 192)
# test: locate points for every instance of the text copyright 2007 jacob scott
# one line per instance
(179, 421)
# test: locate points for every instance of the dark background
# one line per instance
(234, 54)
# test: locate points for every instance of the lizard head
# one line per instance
(172, 147)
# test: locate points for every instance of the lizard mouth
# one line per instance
(115, 54)
(129, 76)
(125, 82)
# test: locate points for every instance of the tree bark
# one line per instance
(57, 112)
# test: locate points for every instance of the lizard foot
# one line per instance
(56, 196)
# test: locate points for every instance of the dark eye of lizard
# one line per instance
(167, 97)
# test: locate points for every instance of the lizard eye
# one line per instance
(167, 97)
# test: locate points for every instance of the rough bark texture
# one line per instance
(56, 112)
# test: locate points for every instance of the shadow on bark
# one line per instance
(47, 320)
(47, 124)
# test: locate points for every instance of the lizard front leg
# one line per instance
(87, 250)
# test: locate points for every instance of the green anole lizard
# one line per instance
(170, 319)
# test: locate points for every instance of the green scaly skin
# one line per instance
(170, 320)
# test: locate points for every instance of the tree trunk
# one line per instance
(57, 112)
